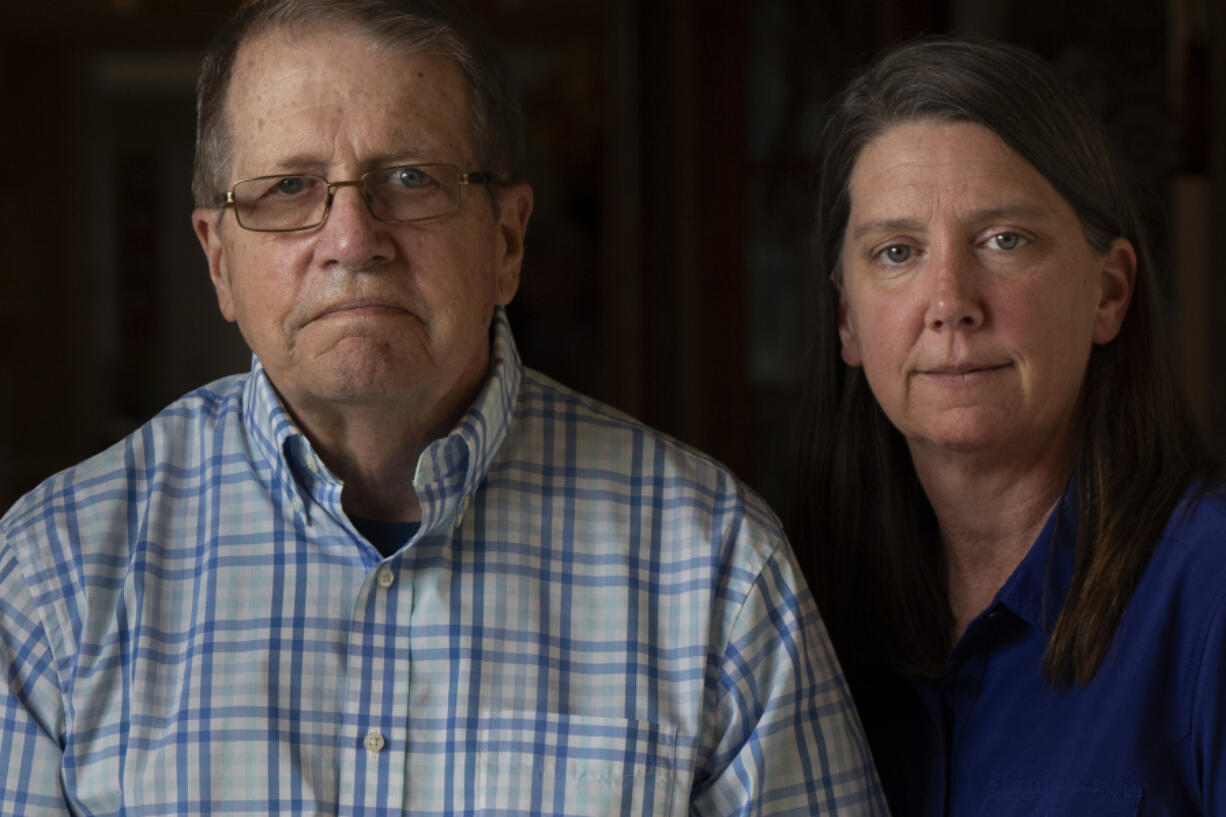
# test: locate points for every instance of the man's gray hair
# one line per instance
(402, 26)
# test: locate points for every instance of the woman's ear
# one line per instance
(1117, 280)
(847, 333)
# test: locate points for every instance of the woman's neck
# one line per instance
(988, 518)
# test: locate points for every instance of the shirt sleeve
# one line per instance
(30, 704)
(788, 738)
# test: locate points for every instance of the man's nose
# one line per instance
(954, 300)
(351, 235)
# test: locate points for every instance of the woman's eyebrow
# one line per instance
(1009, 212)
(885, 225)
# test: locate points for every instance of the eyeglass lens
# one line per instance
(405, 193)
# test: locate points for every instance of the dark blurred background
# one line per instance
(669, 144)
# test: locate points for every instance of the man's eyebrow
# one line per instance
(1010, 212)
(297, 163)
(399, 157)
(312, 163)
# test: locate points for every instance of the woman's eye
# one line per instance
(896, 253)
(1007, 241)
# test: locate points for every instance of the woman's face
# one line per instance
(971, 297)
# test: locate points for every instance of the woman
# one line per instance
(1003, 506)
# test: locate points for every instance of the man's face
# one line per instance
(358, 312)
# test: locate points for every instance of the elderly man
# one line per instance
(390, 570)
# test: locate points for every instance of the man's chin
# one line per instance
(349, 376)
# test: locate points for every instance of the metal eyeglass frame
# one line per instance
(485, 177)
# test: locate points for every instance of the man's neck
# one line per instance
(374, 449)
(376, 467)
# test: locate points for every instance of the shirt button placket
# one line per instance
(382, 765)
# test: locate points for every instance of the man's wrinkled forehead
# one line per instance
(308, 95)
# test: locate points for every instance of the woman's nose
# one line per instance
(954, 299)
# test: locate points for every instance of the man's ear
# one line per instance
(514, 210)
(1117, 281)
(206, 222)
(847, 333)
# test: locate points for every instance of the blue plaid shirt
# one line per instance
(591, 619)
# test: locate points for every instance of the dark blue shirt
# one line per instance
(1147, 736)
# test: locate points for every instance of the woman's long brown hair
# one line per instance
(861, 524)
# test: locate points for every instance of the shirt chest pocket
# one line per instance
(1060, 799)
(545, 764)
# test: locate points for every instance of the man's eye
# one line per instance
(1007, 241)
(896, 253)
(289, 186)
(410, 178)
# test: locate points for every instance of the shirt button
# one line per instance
(297, 503)
(374, 743)
(459, 514)
(386, 578)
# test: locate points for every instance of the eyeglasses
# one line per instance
(282, 204)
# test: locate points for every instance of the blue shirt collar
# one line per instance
(1040, 583)
(447, 473)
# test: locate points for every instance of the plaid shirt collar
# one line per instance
(448, 471)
